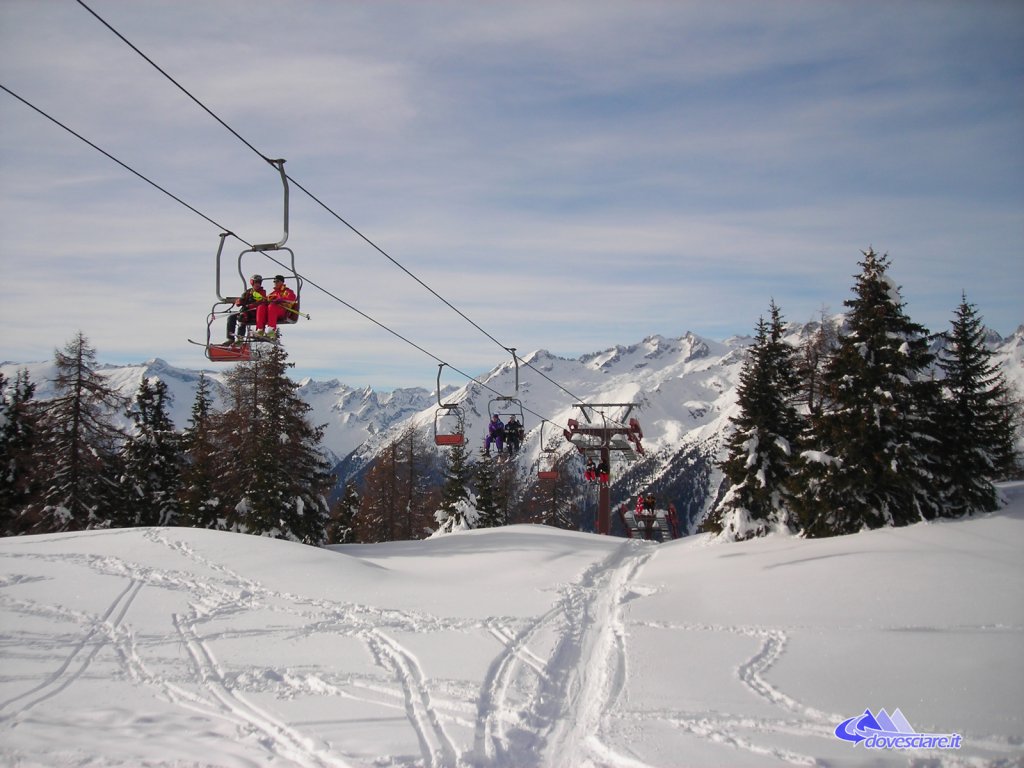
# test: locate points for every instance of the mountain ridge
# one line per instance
(683, 391)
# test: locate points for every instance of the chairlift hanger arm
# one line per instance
(515, 360)
(220, 249)
(440, 367)
(279, 164)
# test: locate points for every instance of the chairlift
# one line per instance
(547, 467)
(449, 419)
(653, 524)
(284, 260)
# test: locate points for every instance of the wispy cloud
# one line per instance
(571, 175)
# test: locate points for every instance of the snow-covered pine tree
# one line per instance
(17, 439)
(875, 457)
(978, 418)
(152, 459)
(76, 457)
(764, 441)
(204, 464)
(281, 473)
(341, 528)
(457, 509)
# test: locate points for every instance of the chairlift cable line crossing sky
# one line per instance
(313, 197)
(306, 280)
(109, 156)
(182, 88)
(342, 220)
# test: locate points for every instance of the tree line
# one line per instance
(866, 425)
(256, 466)
(411, 491)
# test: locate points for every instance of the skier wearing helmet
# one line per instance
(247, 303)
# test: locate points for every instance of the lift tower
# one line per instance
(598, 433)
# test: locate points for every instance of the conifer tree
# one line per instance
(509, 494)
(204, 464)
(341, 528)
(978, 429)
(281, 473)
(17, 441)
(457, 505)
(152, 459)
(558, 501)
(488, 499)
(876, 460)
(77, 449)
(764, 441)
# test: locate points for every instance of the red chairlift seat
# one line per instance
(229, 353)
(449, 439)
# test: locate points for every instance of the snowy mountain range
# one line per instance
(683, 388)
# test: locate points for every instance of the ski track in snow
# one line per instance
(551, 696)
(80, 658)
(564, 696)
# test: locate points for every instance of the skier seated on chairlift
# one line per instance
(279, 304)
(590, 473)
(247, 303)
(602, 472)
(495, 434)
(645, 502)
(513, 434)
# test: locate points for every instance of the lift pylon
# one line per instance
(598, 433)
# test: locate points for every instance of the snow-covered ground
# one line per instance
(523, 646)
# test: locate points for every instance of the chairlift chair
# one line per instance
(284, 266)
(449, 419)
(547, 468)
(449, 426)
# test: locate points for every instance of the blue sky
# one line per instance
(570, 175)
